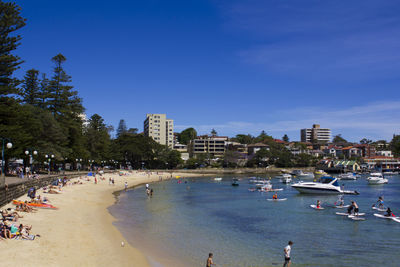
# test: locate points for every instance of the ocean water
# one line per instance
(185, 221)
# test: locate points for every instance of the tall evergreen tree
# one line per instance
(64, 100)
(30, 88)
(121, 128)
(97, 138)
(44, 92)
(10, 21)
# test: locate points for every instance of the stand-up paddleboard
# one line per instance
(378, 209)
(346, 214)
(386, 217)
(315, 207)
(356, 218)
(342, 207)
(396, 219)
(279, 199)
(272, 190)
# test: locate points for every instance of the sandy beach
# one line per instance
(80, 232)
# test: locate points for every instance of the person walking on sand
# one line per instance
(126, 186)
(287, 250)
(210, 260)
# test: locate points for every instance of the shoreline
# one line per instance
(80, 235)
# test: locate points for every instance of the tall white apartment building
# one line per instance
(316, 134)
(161, 129)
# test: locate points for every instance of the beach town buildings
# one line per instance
(315, 134)
(161, 129)
(213, 146)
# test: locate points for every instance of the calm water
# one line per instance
(187, 221)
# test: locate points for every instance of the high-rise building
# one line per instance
(316, 134)
(161, 129)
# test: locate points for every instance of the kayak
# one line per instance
(278, 199)
(315, 207)
(35, 205)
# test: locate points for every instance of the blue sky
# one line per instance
(236, 66)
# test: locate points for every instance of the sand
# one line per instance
(80, 232)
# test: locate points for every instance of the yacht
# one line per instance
(347, 176)
(326, 185)
(285, 178)
(377, 178)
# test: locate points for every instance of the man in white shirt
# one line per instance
(287, 250)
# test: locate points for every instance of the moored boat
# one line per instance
(326, 185)
(377, 178)
(347, 176)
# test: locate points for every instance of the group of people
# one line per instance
(149, 191)
(10, 229)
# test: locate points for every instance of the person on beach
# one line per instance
(210, 260)
(287, 251)
(95, 180)
(126, 186)
(151, 192)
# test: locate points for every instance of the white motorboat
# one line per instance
(347, 176)
(306, 175)
(284, 178)
(218, 179)
(297, 172)
(326, 185)
(377, 178)
(263, 183)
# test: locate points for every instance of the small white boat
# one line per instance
(306, 175)
(284, 178)
(218, 179)
(376, 178)
(264, 185)
(347, 176)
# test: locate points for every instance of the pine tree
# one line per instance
(30, 88)
(10, 21)
(64, 100)
(44, 92)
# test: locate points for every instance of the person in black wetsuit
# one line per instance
(350, 209)
(389, 212)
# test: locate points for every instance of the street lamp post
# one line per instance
(30, 155)
(49, 157)
(3, 162)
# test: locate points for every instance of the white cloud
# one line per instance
(377, 120)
